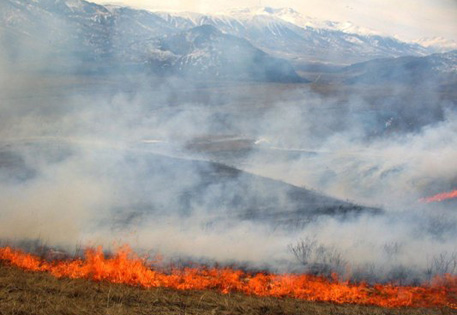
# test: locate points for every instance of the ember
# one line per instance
(128, 268)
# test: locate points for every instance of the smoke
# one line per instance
(167, 165)
(392, 170)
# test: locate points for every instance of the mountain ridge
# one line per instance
(80, 36)
(84, 36)
(277, 32)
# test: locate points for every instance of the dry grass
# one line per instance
(37, 293)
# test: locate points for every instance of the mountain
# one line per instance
(292, 16)
(75, 33)
(437, 68)
(206, 52)
(94, 32)
(260, 44)
(287, 34)
(81, 36)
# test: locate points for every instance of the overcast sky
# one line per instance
(408, 19)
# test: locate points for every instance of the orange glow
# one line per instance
(440, 197)
(127, 268)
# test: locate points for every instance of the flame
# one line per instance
(440, 197)
(127, 268)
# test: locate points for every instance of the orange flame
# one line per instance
(127, 268)
(440, 197)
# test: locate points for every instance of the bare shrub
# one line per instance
(444, 263)
(317, 258)
(392, 250)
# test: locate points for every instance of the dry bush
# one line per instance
(444, 263)
(317, 258)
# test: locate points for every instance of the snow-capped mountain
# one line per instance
(84, 35)
(90, 37)
(292, 16)
(287, 34)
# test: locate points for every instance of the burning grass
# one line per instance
(440, 197)
(124, 267)
(23, 292)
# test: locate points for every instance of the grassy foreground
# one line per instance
(39, 293)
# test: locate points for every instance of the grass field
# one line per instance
(39, 293)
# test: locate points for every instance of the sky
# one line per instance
(407, 19)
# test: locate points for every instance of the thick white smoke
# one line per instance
(99, 160)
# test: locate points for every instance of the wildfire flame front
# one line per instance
(440, 197)
(127, 268)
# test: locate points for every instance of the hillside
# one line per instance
(438, 68)
(205, 52)
(147, 189)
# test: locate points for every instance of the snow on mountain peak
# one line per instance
(278, 11)
(294, 17)
(438, 43)
(256, 11)
(75, 5)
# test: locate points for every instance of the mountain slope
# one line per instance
(433, 69)
(76, 31)
(206, 52)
